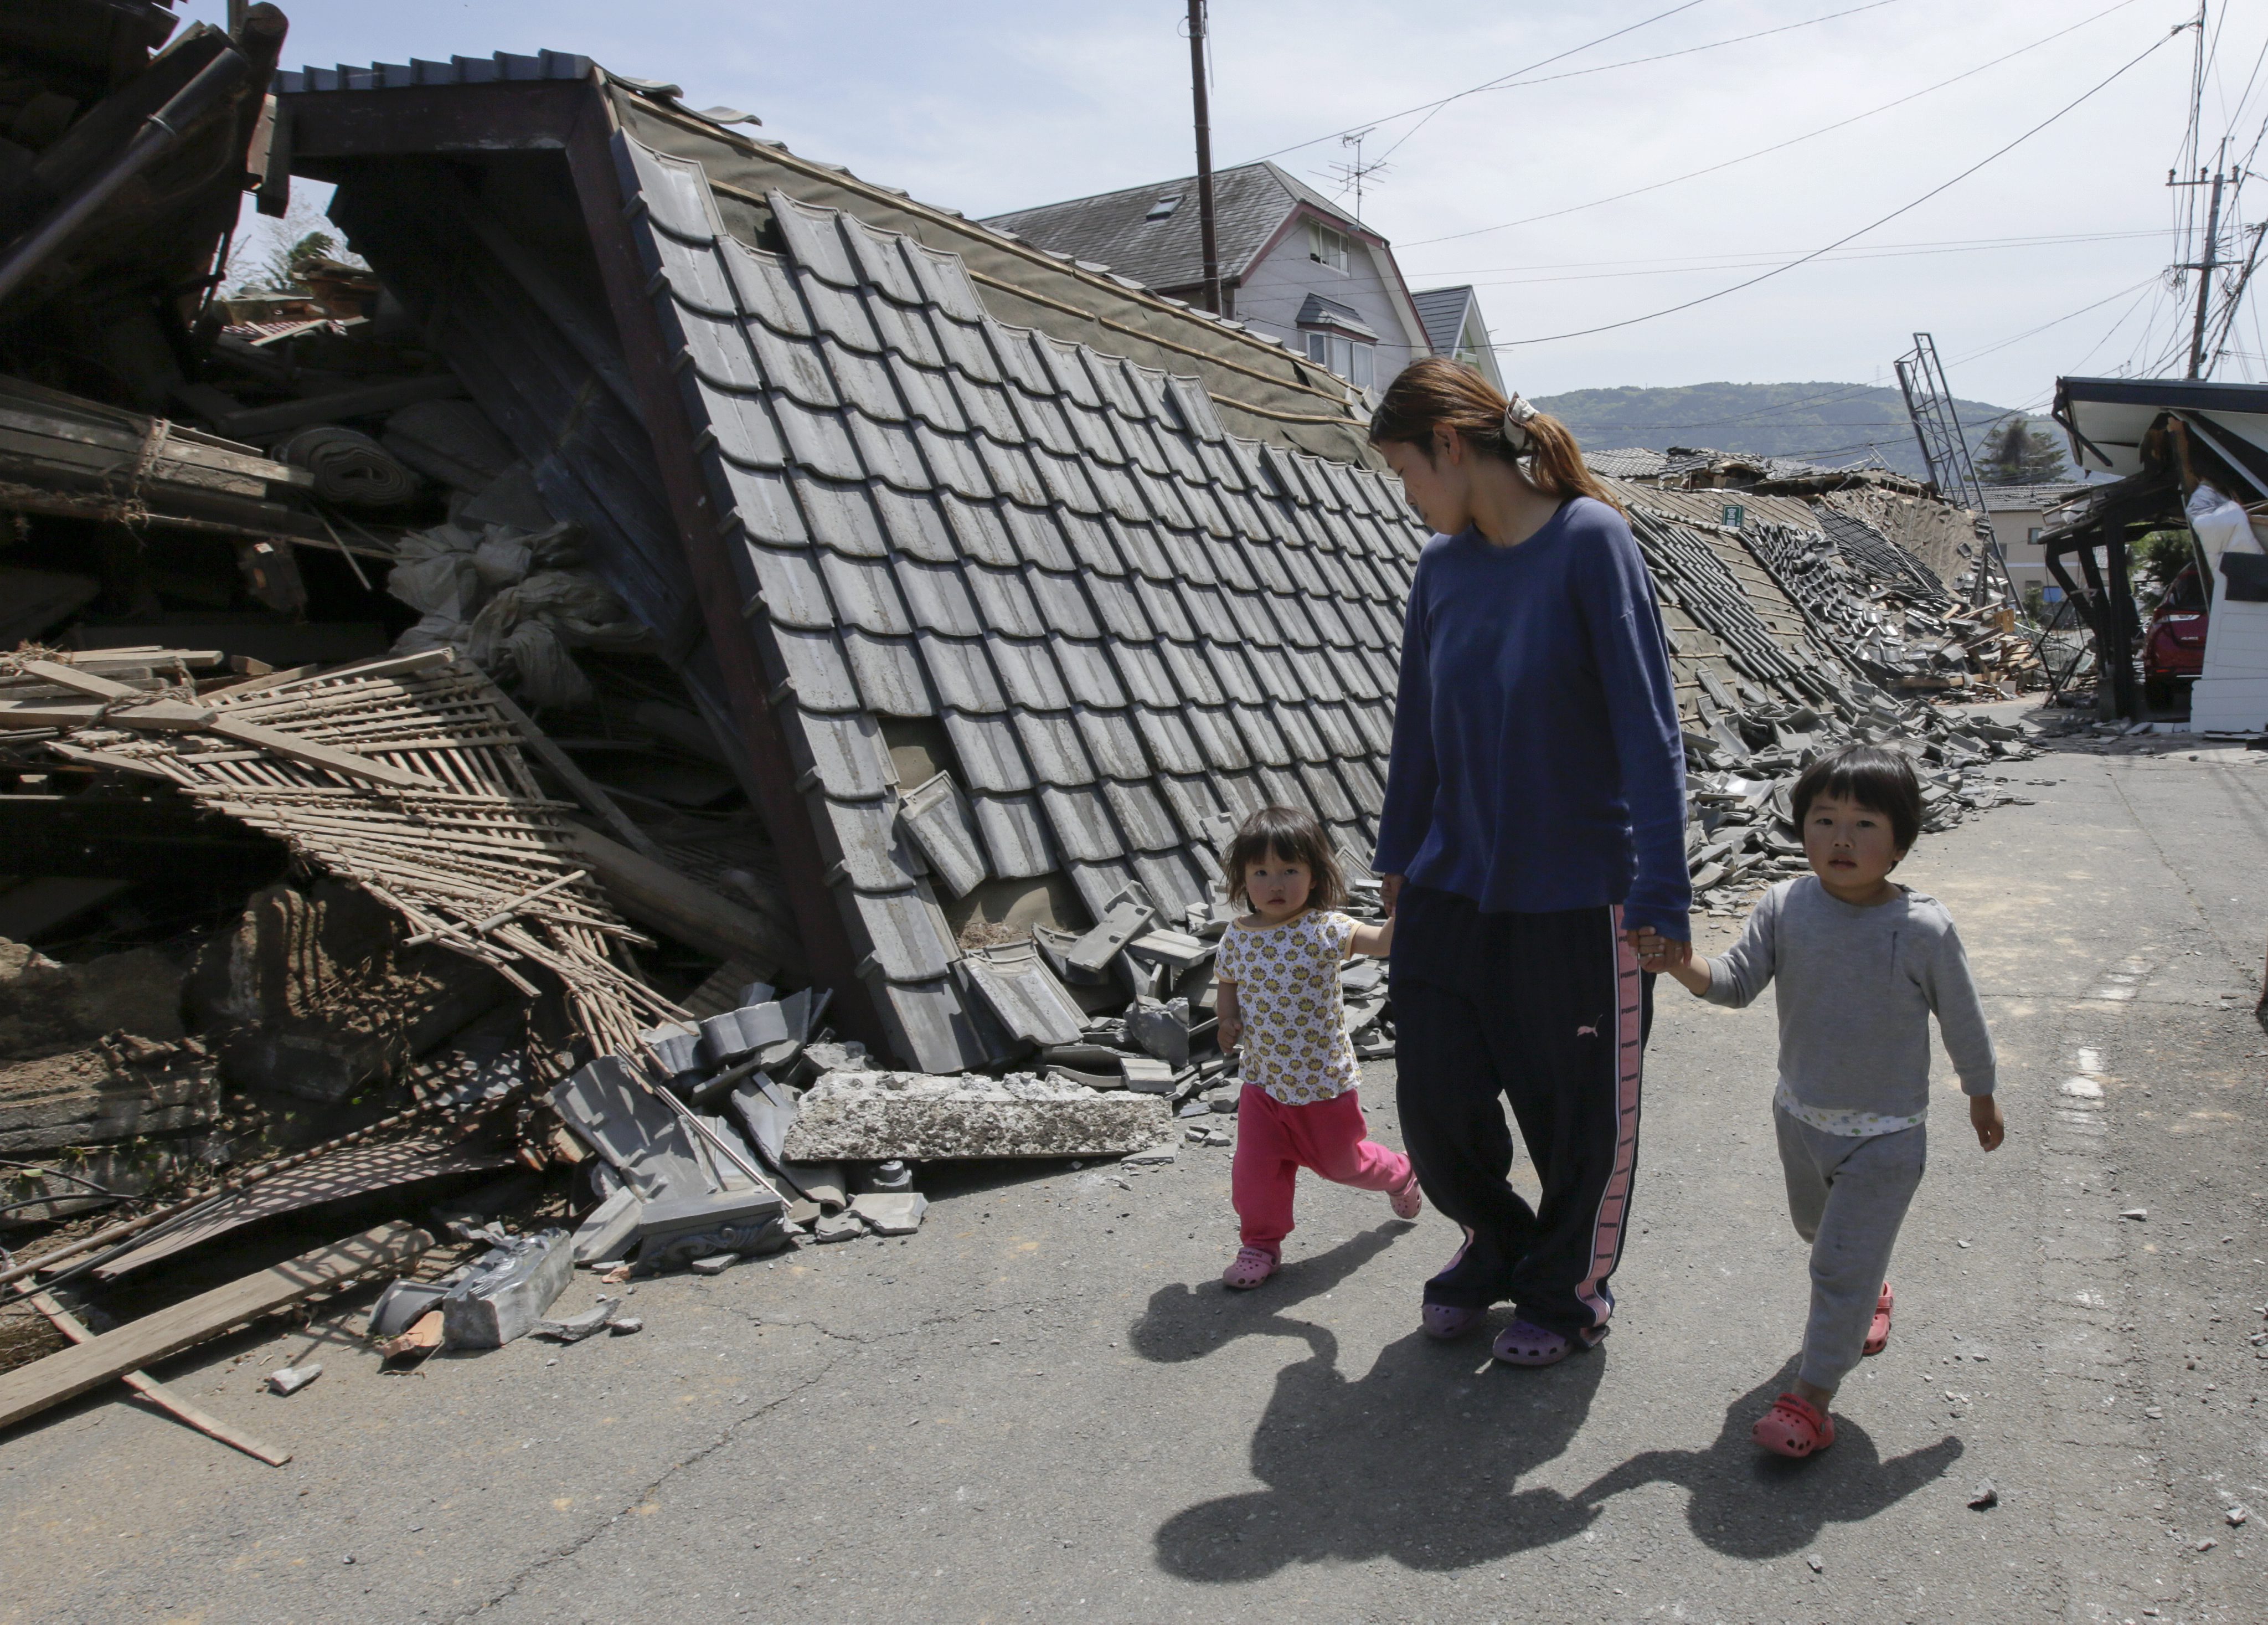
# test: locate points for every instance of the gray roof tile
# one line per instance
(1098, 882)
(969, 351)
(847, 752)
(1193, 673)
(1024, 993)
(906, 333)
(939, 598)
(960, 672)
(862, 837)
(1063, 604)
(1262, 739)
(841, 314)
(1300, 733)
(1080, 821)
(980, 530)
(916, 525)
(793, 592)
(945, 282)
(990, 751)
(929, 1021)
(1165, 734)
(814, 241)
(1051, 744)
(1112, 743)
(744, 428)
(1142, 813)
(1013, 472)
(889, 452)
(936, 817)
(1176, 883)
(865, 594)
(864, 382)
(1116, 600)
(1029, 672)
(818, 441)
(910, 940)
(1015, 835)
(1148, 679)
(889, 676)
(880, 263)
(1191, 797)
(1087, 671)
(1217, 737)
(763, 288)
(1237, 678)
(812, 663)
(761, 500)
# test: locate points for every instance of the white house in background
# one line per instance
(2019, 517)
(1294, 264)
(1453, 328)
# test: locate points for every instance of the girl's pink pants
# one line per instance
(1274, 1141)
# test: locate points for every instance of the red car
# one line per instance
(2173, 649)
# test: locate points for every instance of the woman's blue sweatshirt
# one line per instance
(1538, 764)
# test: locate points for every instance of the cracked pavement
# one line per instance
(1044, 1406)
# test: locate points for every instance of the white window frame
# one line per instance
(1351, 358)
(1329, 247)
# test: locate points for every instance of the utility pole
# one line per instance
(2205, 267)
(1205, 156)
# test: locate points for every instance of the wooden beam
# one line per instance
(655, 895)
(159, 1395)
(31, 1389)
(579, 786)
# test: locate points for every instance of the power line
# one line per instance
(1839, 258)
(1947, 243)
(1429, 107)
(1851, 236)
(1823, 129)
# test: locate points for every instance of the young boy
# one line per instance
(1860, 963)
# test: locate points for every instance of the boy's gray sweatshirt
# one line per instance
(1856, 989)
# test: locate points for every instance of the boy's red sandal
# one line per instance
(1794, 1427)
(1878, 1335)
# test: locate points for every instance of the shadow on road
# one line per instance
(1420, 1459)
(1745, 1502)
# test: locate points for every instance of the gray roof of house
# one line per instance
(2006, 499)
(1625, 463)
(1442, 311)
(1249, 203)
(1131, 627)
(1315, 311)
(502, 67)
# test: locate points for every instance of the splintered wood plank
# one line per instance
(164, 1398)
(31, 1389)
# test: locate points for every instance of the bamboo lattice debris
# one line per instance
(404, 776)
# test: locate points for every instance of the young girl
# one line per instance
(1278, 976)
(1862, 963)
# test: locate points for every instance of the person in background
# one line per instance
(1534, 821)
(1860, 963)
(1278, 975)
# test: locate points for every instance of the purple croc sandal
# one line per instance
(1523, 1342)
(1443, 1321)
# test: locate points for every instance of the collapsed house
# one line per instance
(825, 644)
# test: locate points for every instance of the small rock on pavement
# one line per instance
(2237, 1517)
(2134, 1213)
(897, 1213)
(837, 1227)
(1986, 1495)
(2207, 1545)
(292, 1378)
(715, 1264)
(624, 1325)
(1216, 1137)
(1817, 1566)
(1150, 1154)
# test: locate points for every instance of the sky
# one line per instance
(991, 105)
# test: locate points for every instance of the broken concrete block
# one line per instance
(506, 1290)
(627, 1326)
(837, 1227)
(1146, 1076)
(871, 1115)
(575, 1328)
(291, 1379)
(1149, 1155)
(891, 1213)
(847, 1057)
(1162, 1031)
(715, 1264)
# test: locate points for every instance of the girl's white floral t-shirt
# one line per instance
(1296, 1045)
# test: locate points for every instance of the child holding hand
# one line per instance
(1278, 975)
(1860, 964)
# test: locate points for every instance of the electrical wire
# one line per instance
(1917, 244)
(1838, 259)
(1907, 208)
(1777, 146)
(1430, 108)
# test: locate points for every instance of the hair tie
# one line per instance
(1517, 413)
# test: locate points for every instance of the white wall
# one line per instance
(1270, 296)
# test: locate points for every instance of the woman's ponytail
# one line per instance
(1437, 393)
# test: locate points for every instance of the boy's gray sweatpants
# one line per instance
(1848, 1194)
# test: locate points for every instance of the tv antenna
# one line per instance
(1356, 173)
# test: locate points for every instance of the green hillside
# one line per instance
(1821, 422)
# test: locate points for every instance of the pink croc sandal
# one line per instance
(1523, 1342)
(1794, 1426)
(1878, 1335)
(1252, 1266)
(1409, 1200)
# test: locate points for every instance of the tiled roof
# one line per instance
(1112, 228)
(496, 70)
(1442, 312)
(1629, 462)
(1128, 623)
(2003, 498)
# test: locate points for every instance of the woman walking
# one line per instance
(1534, 823)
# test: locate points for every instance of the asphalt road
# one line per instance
(1045, 1407)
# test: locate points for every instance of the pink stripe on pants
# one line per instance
(1274, 1141)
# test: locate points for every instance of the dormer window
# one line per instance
(1326, 247)
(1164, 206)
